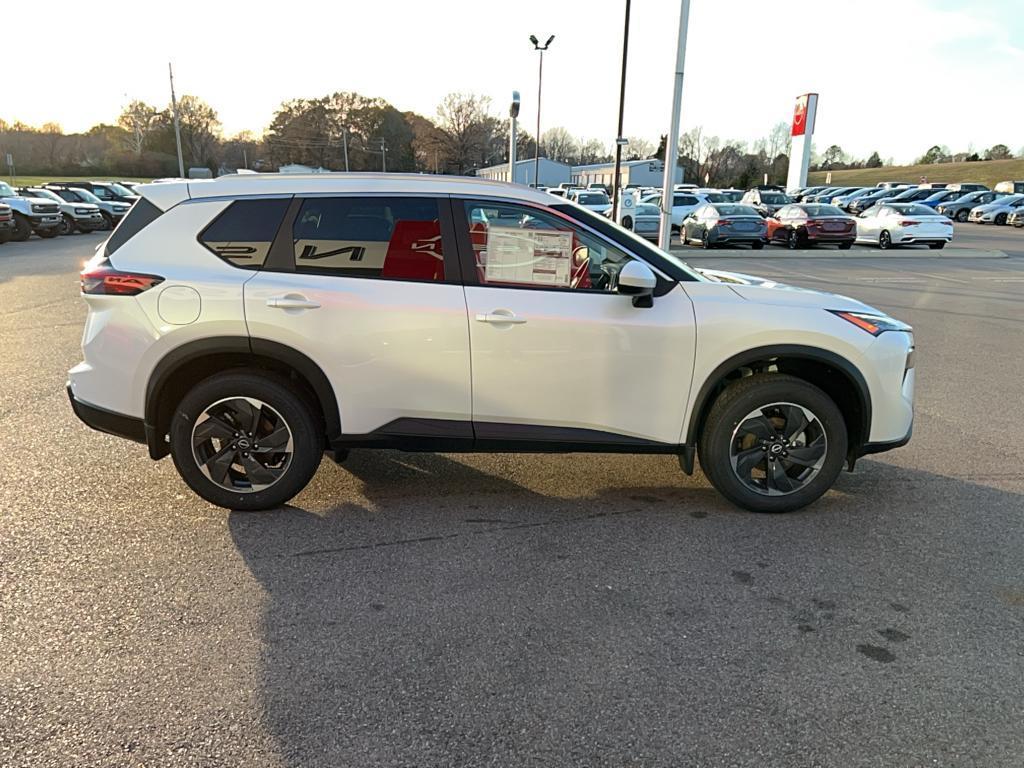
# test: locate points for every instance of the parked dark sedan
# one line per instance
(717, 223)
(806, 224)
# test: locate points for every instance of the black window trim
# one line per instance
(468, 258)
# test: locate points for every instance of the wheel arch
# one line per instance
(840, 379)
(183, 367)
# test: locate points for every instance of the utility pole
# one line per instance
(177, 125)
(619, 140)
(513, 113)
(540, 82)
(383, 156)
(672, 140)
(344, 145)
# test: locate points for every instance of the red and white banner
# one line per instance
(803, 115)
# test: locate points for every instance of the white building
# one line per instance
(645, 173)
(551, 173)
(297, 168)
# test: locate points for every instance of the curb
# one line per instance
(766, 254)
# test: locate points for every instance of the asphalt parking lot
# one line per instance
(592, 610)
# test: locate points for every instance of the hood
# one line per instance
(762, 291)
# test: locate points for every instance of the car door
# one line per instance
(369, 288)
(691, 223)
(867, 224)
(557, 354)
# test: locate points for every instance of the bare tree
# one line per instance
(464, 130)
(639, 148)
(559, 145)
(138, 119)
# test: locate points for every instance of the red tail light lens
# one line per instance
(723, 223)
(909, 223)
(103, 280)
(813, 222)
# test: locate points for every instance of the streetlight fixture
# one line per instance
(540, 81)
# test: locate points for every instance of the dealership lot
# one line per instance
(525, 610)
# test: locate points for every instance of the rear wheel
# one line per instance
(757, 245)
(246, 440)
(1000, 218)
(961, 215)
(22, 229)
(627, 222)
(794, 240)
(705, 240)
(884, 240)
(846, 245)
(937, 246)
(773, 443)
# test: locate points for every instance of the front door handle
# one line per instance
(500, 317)
(292, 301)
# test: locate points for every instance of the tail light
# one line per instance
(813, 222)
(723, 223)
(909, 223)
(101, 279)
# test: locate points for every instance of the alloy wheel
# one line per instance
(242, 444)
(778, 449)
(884, 240)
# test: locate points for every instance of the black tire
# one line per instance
(108, 222)
(735, 403)
(68, 226)
(22, 229)
(49, 234)
(794, 241)
(937, 246)
(962, 215)
(627, 222)
(845, 246)
(757, 245)
(705, 240)
(884, 240)
(1000, 219)
(277, 392)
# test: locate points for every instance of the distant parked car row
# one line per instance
(62, 207)
(960, 202)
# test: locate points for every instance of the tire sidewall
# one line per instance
(739, 400)
(282, 396)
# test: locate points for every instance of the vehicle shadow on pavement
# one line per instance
(454, 617)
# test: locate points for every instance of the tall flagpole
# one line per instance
(672, 140)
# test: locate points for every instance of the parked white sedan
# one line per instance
(891, 224)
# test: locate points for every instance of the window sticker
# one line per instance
(530, 257)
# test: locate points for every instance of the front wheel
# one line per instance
(246, 440)
(773, 443)
(1000, 219)
(627, 222)
(961, 216)
(22, 229)
(885, 240)
(67, 226)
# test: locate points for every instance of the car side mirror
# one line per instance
(637, 280)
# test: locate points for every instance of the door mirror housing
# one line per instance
(638, 281)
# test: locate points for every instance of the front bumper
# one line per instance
(46, 223)
(103, 420)
(89, 223)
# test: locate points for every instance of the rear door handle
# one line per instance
(500, 317)
(292, 301)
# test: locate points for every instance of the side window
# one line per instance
(516, 245)
(395, 238)
(684, 200)
(102, 193)
(243, 233)
(68, 195)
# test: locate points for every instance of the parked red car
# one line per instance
(802, 225)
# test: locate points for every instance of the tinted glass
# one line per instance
(823, 210)
(103, 193)
(243, 233)
(519, 246)
(717, 197)
(142, 214)
(774, 198)
(684, 200)
(593, 198)
(647, 210)
(393, 238)
(728, 209)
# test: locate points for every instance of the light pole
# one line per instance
(513, 113)
(619, 141)
(672, 140)
(540, 82)
(177, 125)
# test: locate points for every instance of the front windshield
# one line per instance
(718, 197)
(48, 193)
(645, 209)
(593, 198)
(86, 195)
(774, 198)
(121, 191)
(6, 190)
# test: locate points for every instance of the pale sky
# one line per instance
(893, 75)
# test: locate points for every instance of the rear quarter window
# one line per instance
(243, 233)
(141, 215)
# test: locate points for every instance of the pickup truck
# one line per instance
(31, 215)
(6, 223)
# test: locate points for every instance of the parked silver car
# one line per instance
(960, 208)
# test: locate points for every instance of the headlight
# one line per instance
(873, 324)
(82, 211)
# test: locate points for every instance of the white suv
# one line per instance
(247, 324)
